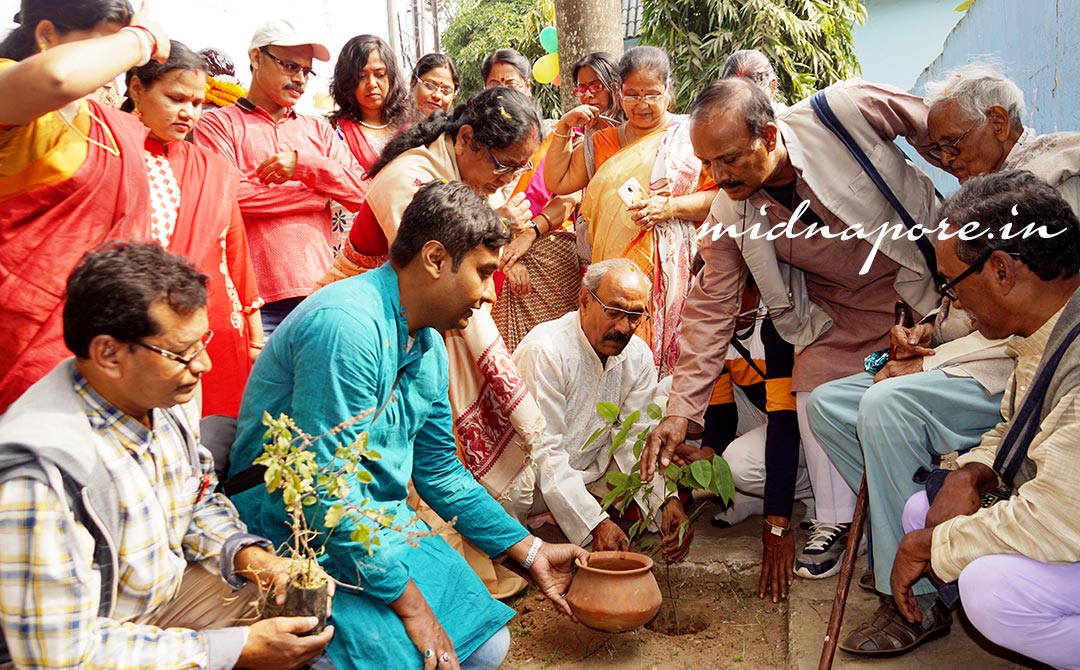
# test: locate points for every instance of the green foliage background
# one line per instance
(809, 42)
(479, 27)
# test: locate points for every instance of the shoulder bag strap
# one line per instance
(829, 119)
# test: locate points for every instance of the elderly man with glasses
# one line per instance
(943, 389)
(291, 166)
(570, 364)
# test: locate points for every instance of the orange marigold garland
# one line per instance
(223, 90)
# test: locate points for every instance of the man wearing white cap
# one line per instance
(291, 166)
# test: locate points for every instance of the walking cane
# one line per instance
(858, 520)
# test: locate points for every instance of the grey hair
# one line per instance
(598, 270)
(750, 64)
(977, 87)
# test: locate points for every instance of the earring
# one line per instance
(136, 113)
(44, 47)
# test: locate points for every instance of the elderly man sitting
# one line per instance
(1018, 561)
(570, 364)
(933, 401)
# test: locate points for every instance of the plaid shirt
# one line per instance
(49, 593)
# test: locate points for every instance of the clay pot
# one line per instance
(615, 591)
(301, 601)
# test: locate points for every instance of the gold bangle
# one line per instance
(556, 133)
(550, 225)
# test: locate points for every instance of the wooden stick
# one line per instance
(847, 568)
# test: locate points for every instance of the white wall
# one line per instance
(228, 25)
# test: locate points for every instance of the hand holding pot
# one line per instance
(275, 644)
(552, 570)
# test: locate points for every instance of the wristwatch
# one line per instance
(535, 228)
(778, 531)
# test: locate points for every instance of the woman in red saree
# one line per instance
(71, 171)
(194, 213)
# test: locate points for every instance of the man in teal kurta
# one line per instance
(351, 347)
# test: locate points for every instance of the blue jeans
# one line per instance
(491, 654)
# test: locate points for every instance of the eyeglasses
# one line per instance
(508, 169)
(615, 313)
(516, 84)
(651, 98)
(288, 67)
(594, 86)
(432, 87)
(951, 150)
(186, 362)
(948, 290)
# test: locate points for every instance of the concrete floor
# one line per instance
(736, 552)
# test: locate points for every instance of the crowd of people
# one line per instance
(459, 282)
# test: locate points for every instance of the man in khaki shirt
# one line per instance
(1018, 561)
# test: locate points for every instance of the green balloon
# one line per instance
(549, 39)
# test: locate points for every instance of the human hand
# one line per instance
(162, 45)
(277, 169)
(662, 443)
(272, 573)
(959, 496)
(912, 562)
(672, 518)
(579, 116)
(608, 536)
(516, 212)
(911, 342)
(518, 278)
(899, 368)
(552, 570)
(649, 213)
(685, 454)
(424, 630)
(777, 560)
(275, 644)
(517, 248)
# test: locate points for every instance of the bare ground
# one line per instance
(727, 627)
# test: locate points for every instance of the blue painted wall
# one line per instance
(1034, 43)
(901, 36)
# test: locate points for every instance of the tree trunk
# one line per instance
(585, 26)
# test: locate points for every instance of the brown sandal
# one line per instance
(888, 633)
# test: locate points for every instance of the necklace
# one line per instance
(114, 149)
(374, 127)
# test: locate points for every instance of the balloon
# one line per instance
(557, 80)
(549, 39)
(546, 68)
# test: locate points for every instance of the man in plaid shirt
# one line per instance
(115, 552)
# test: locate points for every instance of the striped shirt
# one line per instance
(49, 593)
(1040, 521)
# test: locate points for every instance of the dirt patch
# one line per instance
(721, 625)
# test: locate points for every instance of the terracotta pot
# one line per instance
(615, 591)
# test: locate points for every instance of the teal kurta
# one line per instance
(336, 355)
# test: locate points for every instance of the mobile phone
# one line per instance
(631, 192)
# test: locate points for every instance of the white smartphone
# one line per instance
(631, 192)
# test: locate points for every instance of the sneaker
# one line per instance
(823, 551)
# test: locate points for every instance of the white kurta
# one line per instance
(567, 379)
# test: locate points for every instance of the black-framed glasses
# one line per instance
(948, 289)
(594, 86)
(432, 87)
(288, 67)
(508, 169)
(951, 150)
(616, 313)
(172, 356)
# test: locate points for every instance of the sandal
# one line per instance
(888, 633)
(867, 583)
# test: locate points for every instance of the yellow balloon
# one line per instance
(546, 68)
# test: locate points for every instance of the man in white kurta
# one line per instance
(569, 365)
